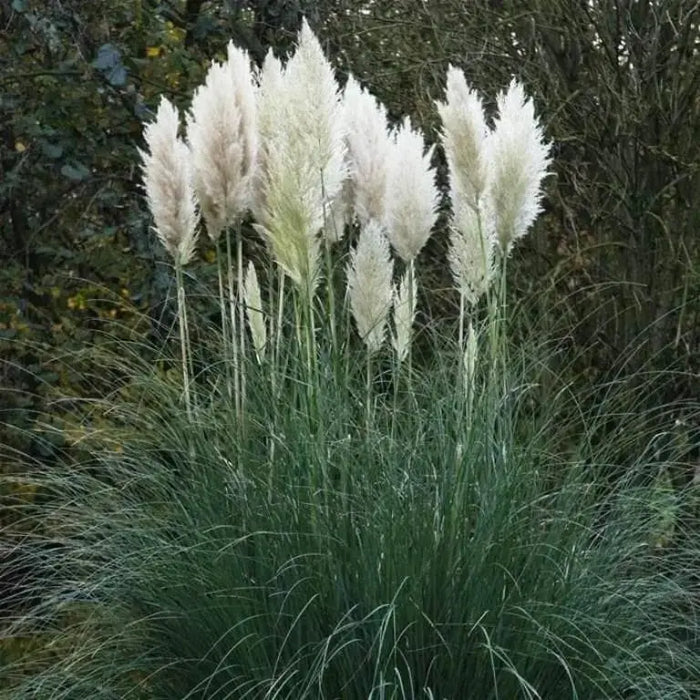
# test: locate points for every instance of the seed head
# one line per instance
(519, 158)
(369, 285)
(369, 150)
(222, 134)
(411, 194)
(167, 175)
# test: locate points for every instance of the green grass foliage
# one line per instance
(529, 546)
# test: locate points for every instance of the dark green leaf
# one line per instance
(117, 76)
(108, 56)
(51, 150)
(76, 172)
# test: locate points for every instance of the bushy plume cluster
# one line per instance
(302, 166)
(465, 136)
(369, 285)
(307, 161)
(253, 305)
(411, 193)
(167, 174)
(223, 136)
(369, 151)
(404, 314)
(519, 159)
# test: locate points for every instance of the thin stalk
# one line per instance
(330, 300)
(395, 399)
(347, 333)
(368, 397)
(224, 322)
(182, 323)
(461, 320)
(411, 301)
(278, 334)
(308, 338)
(234, 330)
(460, 353)
(503, 345)
(241, 314)
(330, 296)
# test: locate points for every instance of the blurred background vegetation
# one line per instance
(614, 264)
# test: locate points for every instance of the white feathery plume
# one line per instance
(470, 254)
(369, 148)
(369, 285)
(464, 132)
(519, 158)
(411, 194)
(317, 130)
(303, 161)
(167, 174)
(405, 295)
(465, 136)
(222, 134)
(253, 305)
(268, 89)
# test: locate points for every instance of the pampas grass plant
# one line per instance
(480, 531)
(223, 139)
(169, 184)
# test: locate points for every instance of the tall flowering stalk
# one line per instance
(302, 171)
(222, 133)
(519, 158)
(411, 202)
(495, 188)
(465, 136)
(167, 175)
(469, 360)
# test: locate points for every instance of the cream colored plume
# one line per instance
(465, 136)
(519, 158)
(471, 250)
(404, 314)
(302, 165)
(167, 175)
(369, 151)
(369, 285)
(256, 317)
(269, 87)
(464, 133)
(222, 134)
(411, 194)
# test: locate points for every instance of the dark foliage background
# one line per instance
(614, 263)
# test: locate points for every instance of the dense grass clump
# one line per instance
(290, 513)
(307, 553)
